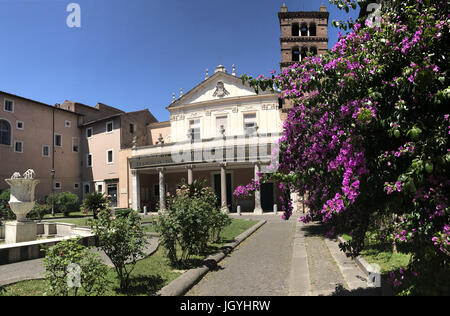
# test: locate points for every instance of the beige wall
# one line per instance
(98, 145)
(37, 119)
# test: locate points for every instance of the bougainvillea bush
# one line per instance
(367, 138)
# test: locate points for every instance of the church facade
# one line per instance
(222, 132)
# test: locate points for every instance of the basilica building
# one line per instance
(220, 131)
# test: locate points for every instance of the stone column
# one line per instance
(162, 190)
(223, 187)
(136, 190)
(190, 174)
(258, 209)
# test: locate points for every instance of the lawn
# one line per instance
(382, 254)
(150, 274)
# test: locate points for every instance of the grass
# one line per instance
(73, 214)
(76, 221)
(150, 274)
(382, 254)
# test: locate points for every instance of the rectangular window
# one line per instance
(45, 151)
(58, 185)
(109, 156)
(100, 188)
(221, 123)
(58, 140)
(76, 186)
(8, 106)
(87, 189)
(131, 128)
(18, 146)
(89, 132)
(109, 127)
(194, 129)
(20, 125)
(249, 124)
(68, 123)
(89, 160)
(75, 145)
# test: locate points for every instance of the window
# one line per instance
(76, 186)
(58, 185)
(8, 106)
(304, 53)
(313, 50)
(68, 123)
(58, 140)
(87, 189)
(89, 132)
(109, 156)
(194, 129)
(19, 125)
(89, 160)
(221, 122)
(109, 127)
(5, 133)
(295, 29)
(75, 145)
(100, 188)
(295, 54)
(312, 29)
(249, 123)
(18, 146)
(131, 128)
(45, 151)
(304, 29)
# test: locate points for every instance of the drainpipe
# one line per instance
(53, 163)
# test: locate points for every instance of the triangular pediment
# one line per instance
(219, 86)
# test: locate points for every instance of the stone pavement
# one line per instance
(285, 258)
(33, 269)
(319, 267)
(258, 266)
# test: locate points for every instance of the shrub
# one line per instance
(65, 202)
(95, 203)
(38, 211)
(368, 137)
(123, 240)
(5, 210)
(71, 267)
(124, 212)
(192, 218)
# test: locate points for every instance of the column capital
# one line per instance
(223, 164)
(161, 169)
(190, 167)
(134, 172)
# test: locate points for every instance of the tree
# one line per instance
(367, 139)
(95, 203)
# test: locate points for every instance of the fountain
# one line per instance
(21, 203)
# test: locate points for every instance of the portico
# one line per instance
(220, 131)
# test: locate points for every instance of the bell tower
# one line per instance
(302, 32)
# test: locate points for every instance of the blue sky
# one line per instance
(133, 54)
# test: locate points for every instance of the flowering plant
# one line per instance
(367, 136)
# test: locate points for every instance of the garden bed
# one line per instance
(150, 274)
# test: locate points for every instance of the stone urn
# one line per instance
(21, 202)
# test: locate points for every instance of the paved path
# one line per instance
(33, 269)
(285, 258)
(258, 267)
